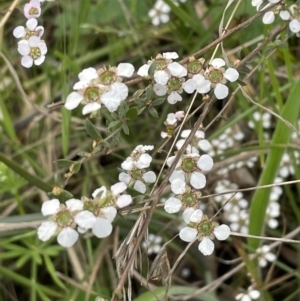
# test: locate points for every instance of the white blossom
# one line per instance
(159, 14)
(33, 50)
(32, 29)
(32, 9)
(153, 244)
(250, 295)
(265, 255)
(199, 226)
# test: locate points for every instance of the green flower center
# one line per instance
(30, 34)
(92, 94)
(174, 84)
(35, 52)
(215, 76)
(205, 228)
(33, 11)
(64, 218)
(137, 174)
(194, 67)
(189, 199)
(161, 64)
(188, 165)
(107, 78)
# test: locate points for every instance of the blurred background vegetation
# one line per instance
(96, 33)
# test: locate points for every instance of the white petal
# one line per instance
(139, 186)
(46, 230)
(143, 71)
(128, 164)
(50, 207)
(222, 232)
(172, 205)
(144, 161)
(198, 180)
(118, 188)
(26, 61)
(125, 69)
(205, 162)
(196, 217)
(120, 90)
(40, 60)
(74, 204)
(170, 55)
(34, 41)
(19, 32)
(206, 246)
(221, 91)
(102, 227)
(85, 219)
(284, 15)
(177, 70)
(124, 177)
(111, 101)
(203, 85)
(149, 177)
(91, 107)
(231, 74)
(294, 26)
(187, 213)
(188, 234)
(178, 186)
(270, 257)
(189, 86)
(23, 47)
(177, 174)
(67, 237)
(73, 100)
(100, 192)
(217, 63)
(124, 200)
(174, 97)
(88, 74)
(109, 213)
(161, 77)
(268, 17)
(254, 294)
(204, 145)
(32, 24)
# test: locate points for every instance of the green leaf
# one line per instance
(76, 167)
(51, 269)
(132, 113)
(141, 110)
(157, 102)
(149, 93)
(153, 112)
(92, 130)
(281, 137)
(125, 128)
(139, 101)
(64, 162)
(138, 93)
(152, 68)
(114, 123)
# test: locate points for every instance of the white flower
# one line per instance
(189, 168)
(217, 75)
(62, 221)
(159, 13)
(264, 255)
(198, 83)
(135, 165)
(32, 29)
(273, 211)
(33, 50)
(185, 197)
(197, 142)
(100, 212)
(32, 9)
(153, 244)
(205, 230)
(250, 295)
(100, 86)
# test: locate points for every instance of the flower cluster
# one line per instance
(134, 167)
(102, 86)
(171, 123)
(30, 46)
(169, 76)
(290, 14)
(95, 213)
